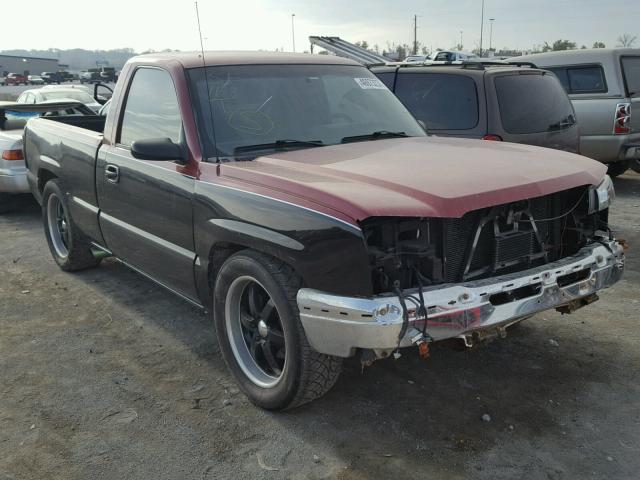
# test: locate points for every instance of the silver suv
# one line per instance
(604, 86)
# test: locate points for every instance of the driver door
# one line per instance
(145, 205)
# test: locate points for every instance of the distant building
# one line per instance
(27, 65)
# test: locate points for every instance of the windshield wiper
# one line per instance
(374, 136)
(278, 145)
(566, 122)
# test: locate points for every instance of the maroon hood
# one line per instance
(416, 177)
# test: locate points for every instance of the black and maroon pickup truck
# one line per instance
(297, 199)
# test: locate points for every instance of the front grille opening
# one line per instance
(575, 277)
(515, 294)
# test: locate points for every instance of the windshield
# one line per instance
(68, 95)
(271, 106)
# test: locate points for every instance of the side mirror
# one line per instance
(159, 149)
(102, 97)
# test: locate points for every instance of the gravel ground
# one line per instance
(105, 375)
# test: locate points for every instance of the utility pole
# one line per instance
(293, 32)
(481, 28)
(461, 39)
(491, 34)
(415, 34)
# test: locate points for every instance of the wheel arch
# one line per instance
(228, 237)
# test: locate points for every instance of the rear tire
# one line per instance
(617, 168)
(261, 337)
(69, 247)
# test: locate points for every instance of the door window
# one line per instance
(442, 101)
(533, 103)
(151, 109)
(631, 71)
(581, 79)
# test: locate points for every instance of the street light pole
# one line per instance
(293, 32)
(491, 34)
(481, 28)
(415, 34)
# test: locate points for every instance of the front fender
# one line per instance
(328, 254)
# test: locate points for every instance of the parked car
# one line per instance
(45, 94)
(52, 77)
(91, 76)
(13, 117)
(604, 86)
(416, 59)
(35, 80)
(297, 199)
(16, 79)
(98, 91)
(453, 56)
(487, 101)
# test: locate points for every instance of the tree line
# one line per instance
(402, 50)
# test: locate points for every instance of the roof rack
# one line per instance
(466, 64)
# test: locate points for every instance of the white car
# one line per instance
(48, 94)
(35, 80)
(454, 56)
(416, 59)
(13, 118)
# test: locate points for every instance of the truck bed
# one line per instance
(94, 123)
(67, 147)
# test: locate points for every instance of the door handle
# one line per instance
(112, 173)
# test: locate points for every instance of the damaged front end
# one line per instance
(413, 252)
(469, 278)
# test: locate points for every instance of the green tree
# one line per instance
(559, 45)
(599, 45)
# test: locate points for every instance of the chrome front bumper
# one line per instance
(338, 325)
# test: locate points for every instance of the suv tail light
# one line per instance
(622, 120)
(12, 155)
(492, 137)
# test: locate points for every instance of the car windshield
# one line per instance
(67, 95)
(257, 108)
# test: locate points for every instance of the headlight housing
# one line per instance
(602, 196)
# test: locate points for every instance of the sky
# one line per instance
(266, 24)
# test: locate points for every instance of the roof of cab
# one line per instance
(574, 57)
(213, 58)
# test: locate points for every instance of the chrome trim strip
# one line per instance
(149, 236)
(351, 225)
(88, 206)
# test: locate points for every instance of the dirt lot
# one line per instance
(105, 375)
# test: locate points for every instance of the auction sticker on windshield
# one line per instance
(370, 83)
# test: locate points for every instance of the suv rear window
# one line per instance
(581, 79)
(532, 103)
(442, 101)
(631, 72)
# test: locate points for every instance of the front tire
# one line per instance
(69, 247)
(261, 337)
